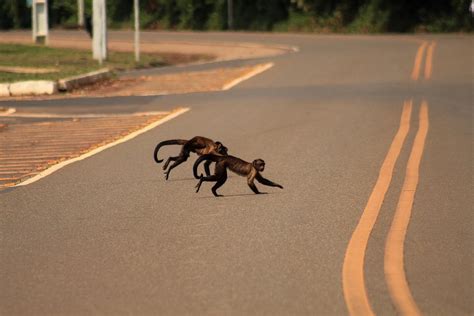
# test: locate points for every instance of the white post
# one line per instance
(96, 32)
(137, 30)
(80, 13)
(99, 30)
(39, 20)
(34, 22)
(104, 30)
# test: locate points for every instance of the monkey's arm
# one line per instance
(250, 182)
(253, 187)
(264, 181)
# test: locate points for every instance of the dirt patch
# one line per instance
(179, 83)
(182, 59)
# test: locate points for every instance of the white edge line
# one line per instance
(62, 164)
(256, 71)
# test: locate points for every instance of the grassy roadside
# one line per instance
(71, 62)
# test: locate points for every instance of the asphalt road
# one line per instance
(108, 235)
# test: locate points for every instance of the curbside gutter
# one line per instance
(71, 83)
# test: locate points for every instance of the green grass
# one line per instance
(70, 62)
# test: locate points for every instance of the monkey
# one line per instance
(198, 144)
(243, 168)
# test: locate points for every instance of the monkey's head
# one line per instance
(259, 164)
(221, 149)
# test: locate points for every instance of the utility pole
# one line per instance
(137, 30)
(39, 19)
(230, 15)
(80, 13)
(99, 31)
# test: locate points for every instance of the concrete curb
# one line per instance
(36, 87)
(39, 87)
(71, 83)
(4, 89)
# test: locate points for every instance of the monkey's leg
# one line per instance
(198, 186)
(213, 178)
(222, 178)
(170, 159)
(264, 181)
(207, 165)
(177, 162)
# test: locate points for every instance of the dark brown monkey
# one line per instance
(198, 144)
(237, 165)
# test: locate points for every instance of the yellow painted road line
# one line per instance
(393, 262)
(415, 74)
(355, 292)
(429, 60)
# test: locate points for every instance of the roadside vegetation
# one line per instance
(322, 16)
(70, 62)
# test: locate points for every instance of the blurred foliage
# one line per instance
(361, 16)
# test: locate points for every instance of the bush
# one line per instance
(365, 16)
(370, 19)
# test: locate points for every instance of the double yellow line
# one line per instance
(429, 47)
(353, 279)
(393, 260)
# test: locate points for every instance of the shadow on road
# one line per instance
(235, 195)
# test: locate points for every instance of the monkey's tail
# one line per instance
(201, 159)
(165, 143)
